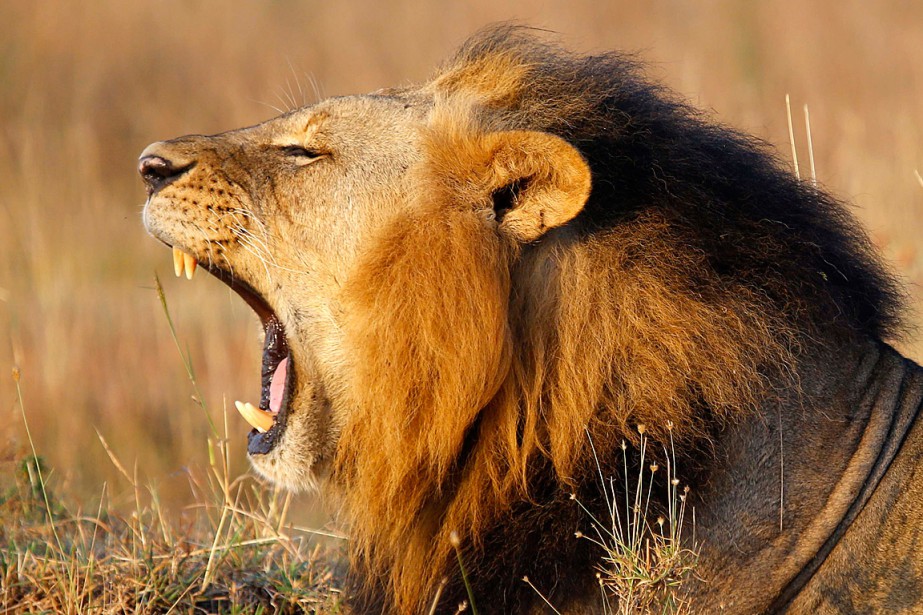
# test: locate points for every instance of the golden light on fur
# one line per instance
(462, 349)
(425, 360)
(476, 278)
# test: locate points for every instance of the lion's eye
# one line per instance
(302, 155)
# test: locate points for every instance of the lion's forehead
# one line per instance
(356, 118)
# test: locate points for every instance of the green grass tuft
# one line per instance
(645, 558)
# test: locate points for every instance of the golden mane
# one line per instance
(477, 361)
(608, 334)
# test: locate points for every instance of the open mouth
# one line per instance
(277, 375)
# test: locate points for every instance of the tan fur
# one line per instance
(608, 334)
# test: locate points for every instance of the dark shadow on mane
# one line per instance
(724, 193)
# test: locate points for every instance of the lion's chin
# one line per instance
(296, 477)
(302, 445)
(293, 463)
(287, 479)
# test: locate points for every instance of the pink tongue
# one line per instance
(277, 386)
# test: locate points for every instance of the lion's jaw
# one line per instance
(278, 211)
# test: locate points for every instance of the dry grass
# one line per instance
(234, 551)
(83, 88)
(230, 554)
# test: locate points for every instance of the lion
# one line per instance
(474, 292)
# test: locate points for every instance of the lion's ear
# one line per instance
(537, 181)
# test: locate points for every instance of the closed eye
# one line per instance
(302, 155)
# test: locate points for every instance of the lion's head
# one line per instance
(465, 283)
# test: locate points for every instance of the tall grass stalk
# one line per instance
(184, 356)
(456, 544)
(35, 461)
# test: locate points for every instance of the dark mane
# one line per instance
(692, 289)
(725, 193)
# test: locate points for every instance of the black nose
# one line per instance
(157, 172)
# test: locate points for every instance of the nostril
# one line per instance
(157, 172)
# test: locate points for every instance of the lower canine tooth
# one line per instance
(189, 264)
(177, 261)
(259, 419)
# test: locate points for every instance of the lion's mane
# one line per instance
(697, 277)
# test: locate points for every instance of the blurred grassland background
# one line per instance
(84, 86)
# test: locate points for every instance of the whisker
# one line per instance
(246, 245)
(318, 94)
(261, 244)
(271, 106)
(291, 68)
(285, 104)
(206, 241)
(263, 228)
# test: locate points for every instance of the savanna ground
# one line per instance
(151, 504)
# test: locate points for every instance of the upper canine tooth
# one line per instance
(177, 261)
(189, 264)
(259, 419)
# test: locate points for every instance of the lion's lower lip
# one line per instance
(277, 378)
(261, 443)
(276, 381)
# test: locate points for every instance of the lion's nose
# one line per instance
(158, 169)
